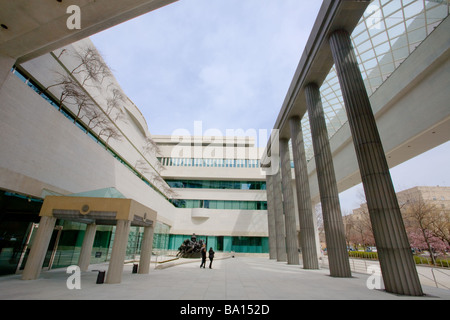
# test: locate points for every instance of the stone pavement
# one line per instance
(239, 278)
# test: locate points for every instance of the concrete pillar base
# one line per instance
(86, 249)
(146, 251)
(36, 257)
(115, 269)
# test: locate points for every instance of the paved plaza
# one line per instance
(239, 278)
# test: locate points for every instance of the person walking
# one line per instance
(211, 257)
(203, 256)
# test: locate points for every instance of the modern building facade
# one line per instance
(83, 137)
(219, 191)
(354, 109)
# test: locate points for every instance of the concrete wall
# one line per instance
(40, 148)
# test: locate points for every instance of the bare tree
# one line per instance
(150, 146)
(114, 105)
(90, 70)
(91, 66)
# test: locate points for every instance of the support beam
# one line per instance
(271, 217)
(86, 248)
(146, 250)
(288, 204)
(329, 197)
(115, 269)
(38, 251)
(305, 212)
(279, 218)
(6, 64)
(394, 252)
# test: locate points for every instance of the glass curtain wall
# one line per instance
(388, 32)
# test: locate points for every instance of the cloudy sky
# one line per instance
(228, 64)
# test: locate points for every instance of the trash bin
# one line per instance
(135, 268)
(100, 276)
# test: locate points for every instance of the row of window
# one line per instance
(201, 162)
(210, 184)
(220, 204)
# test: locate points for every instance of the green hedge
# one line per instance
(441, 262)
(364, 255)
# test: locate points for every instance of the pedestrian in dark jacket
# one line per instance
(211, 256)
(203, 257)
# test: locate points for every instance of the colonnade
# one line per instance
(123, 213)
(396, 261)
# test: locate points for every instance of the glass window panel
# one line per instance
(401, 53)
(368, 55)
(367, 45)
(380, 38)
(227, 204)
(387, 68)
(399, 42)
(396, 31)
(370, 64)
(358, 29)
(413, 9)
(438, 12)
(361, 38)
(417, 35)
(235, 205)
(251, 205)
(382, 49)
(393, 9)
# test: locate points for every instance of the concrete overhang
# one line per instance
(101, 211)
(317, 60)
(33, 28)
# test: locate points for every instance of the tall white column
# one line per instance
(394, 251)
(115, 269)
(86, 248)
(271, 218)
(39, 249)
(146, 250)
(329, 196)
(279, 218)
(288, 204)
(305, 212)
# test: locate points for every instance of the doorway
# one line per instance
(51, 250)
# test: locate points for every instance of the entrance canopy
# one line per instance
(99, 210)
(94, 210)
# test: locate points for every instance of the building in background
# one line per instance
(219, 191)
(67, 128)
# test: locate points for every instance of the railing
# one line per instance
(435, 276)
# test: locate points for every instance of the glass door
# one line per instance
(51, 250)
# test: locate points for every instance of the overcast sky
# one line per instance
(228, 64)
